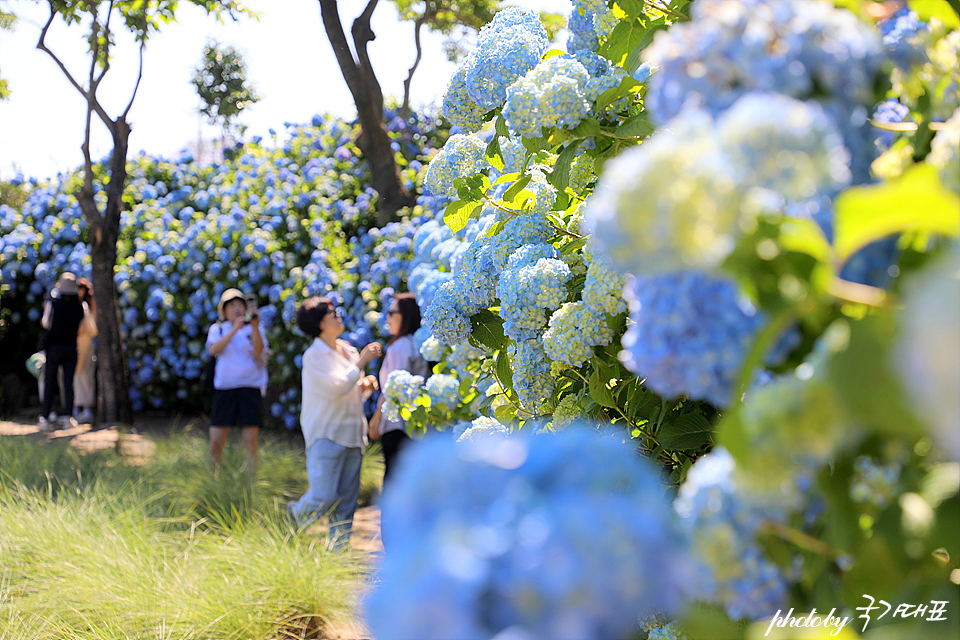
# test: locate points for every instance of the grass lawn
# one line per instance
(95, 548)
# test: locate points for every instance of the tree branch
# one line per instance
(43, 47)
(143, 42)
(106, 50)
(405, 108)
(362, 36)
(341, 49)
(87, 95)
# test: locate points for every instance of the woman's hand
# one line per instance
(369, 384)
(373, 427)
(369, 352)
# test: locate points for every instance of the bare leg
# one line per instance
(218, 440)
(250, 436)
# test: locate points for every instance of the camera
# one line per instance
(252, 312)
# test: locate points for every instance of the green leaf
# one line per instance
(599, 392)
(917, 201)
(487, 329)
(622, 40)
(638, 126)
(560, 176)
(588, 128)
(633, 8)
(500, 126)
(861, 373)
(504, 371)
(708, 622)
(458, 213)
(628, 86)
(494, 153)
(941, 9)
(634, 59)
(689, 431)
(516, 188)
(505, 414)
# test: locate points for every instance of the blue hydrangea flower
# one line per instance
(552, 94)
(689, 335)
(574, 330)
(786, 147)
(482, 427)
(583, 31)
(458, 107)
(444, 390)
(669, 204)
(904, 36)
(603, 289)
(432, 349)
(527, 291)
(507, 48)
(794, 47)
(462, 156)
(874, 483)
(444, 318)
(721, 518)
(531, 374)
(889, 111)
(541, 538)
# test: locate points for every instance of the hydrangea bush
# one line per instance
(282, 219)
(757, 216)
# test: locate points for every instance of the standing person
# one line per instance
(403, 319)
(241, 373)
(84, 387)
(62, 315)
(334, 427)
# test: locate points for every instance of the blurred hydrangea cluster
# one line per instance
(530, 538)
(722, 518)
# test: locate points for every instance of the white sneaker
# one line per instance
(67, 422)
(43, 424)
(85, 416)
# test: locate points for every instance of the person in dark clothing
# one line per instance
(62, 315)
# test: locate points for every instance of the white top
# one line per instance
(237, 364)
(401, 354)
(332, 396)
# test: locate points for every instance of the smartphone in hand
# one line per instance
(252, 311)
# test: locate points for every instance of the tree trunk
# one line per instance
(113, 392)
(374, 142)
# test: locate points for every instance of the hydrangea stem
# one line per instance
(760, 345)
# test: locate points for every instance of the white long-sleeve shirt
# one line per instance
(332, 396)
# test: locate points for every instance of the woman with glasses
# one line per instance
(403, 319)
(332, 420)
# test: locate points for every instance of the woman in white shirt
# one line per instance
(403, 319)
(331, 416)
(240, 374)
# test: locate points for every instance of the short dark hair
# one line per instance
(409, 314)
(311, 314)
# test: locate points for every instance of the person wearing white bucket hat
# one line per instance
(240, 374)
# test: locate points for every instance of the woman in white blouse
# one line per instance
(403, 319)
(332, 420)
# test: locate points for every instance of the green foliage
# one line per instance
(221, 83)
(7, 22)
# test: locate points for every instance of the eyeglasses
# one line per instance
(393, 312)
(334, 312)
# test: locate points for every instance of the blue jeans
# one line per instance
(334, 475)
